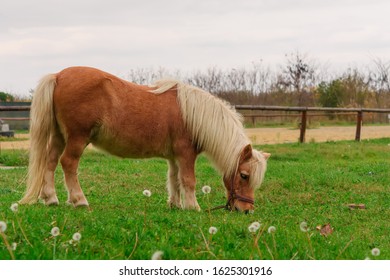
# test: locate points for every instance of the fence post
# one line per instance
(359, 122)
(303, 127)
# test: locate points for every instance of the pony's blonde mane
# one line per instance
(215, 126)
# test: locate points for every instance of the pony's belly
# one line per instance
(132, 149)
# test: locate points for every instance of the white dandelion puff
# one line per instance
(303, 227)
(213, 230)
(375, 252)
(55, 231)
(3, 226)
(13, 246)
(206, 189)
(257, 225)
(14, 207)
(147, 193)
(158, 255)
(252, 229)
(271, 229)
(76, 236)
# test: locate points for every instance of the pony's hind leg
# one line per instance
(48, 192)
(70, 161)
(173, 185)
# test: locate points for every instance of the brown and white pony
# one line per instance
(82, 105)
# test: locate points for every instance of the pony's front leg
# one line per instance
(70, 161)
(188, 182)
(173, 185)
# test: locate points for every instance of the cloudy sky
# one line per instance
(44, 36)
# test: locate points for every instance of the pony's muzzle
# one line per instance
(245, 207)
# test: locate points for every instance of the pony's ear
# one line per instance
(266, 155)
(246, 153)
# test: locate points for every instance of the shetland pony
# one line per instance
(171, 120)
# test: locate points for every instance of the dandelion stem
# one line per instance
(54, 248)
(256, 245)
(7, 245)
(274, 242)
(268, 249)
(208, 206)
(345, 248)
(23, 233)
(310, 246)
(135, 246)
(145, 208)
(256, 241)
(207, 243)
(293, 257)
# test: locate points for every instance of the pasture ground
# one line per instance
(312, 183)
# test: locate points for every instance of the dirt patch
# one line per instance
(322, 134)
(262, 136)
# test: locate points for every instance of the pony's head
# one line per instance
(248, 176)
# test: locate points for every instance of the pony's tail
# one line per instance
(42, 123)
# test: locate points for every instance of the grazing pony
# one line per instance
(172, 120)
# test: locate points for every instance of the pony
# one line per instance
(79, 106)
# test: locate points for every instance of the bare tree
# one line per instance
(298, 76)
(380, 81)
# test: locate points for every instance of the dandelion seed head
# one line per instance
(213, 230)
(14, 207)
(257, 225)
(76, 236)
(147, 193)
(271, 229)
(252, 228)
(3, 226)
(206, 189)
(158, 255)
(13, 246)
(375, 252)
(55, 231)
(303, 227)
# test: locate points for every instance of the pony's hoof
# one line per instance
(192, 207)
(80, 204)
(52, 201)
(173, 205)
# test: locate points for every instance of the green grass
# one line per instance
(311, 182)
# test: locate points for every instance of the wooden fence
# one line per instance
(303, 112)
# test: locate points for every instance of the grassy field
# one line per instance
(312, 183)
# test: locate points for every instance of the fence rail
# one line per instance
(303, 110)
(14, 108)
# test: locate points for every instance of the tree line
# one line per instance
(300, 81)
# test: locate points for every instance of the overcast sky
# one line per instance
(44, 36)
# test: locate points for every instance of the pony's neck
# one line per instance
(215, 126)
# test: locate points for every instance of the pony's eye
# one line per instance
(244, 176)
